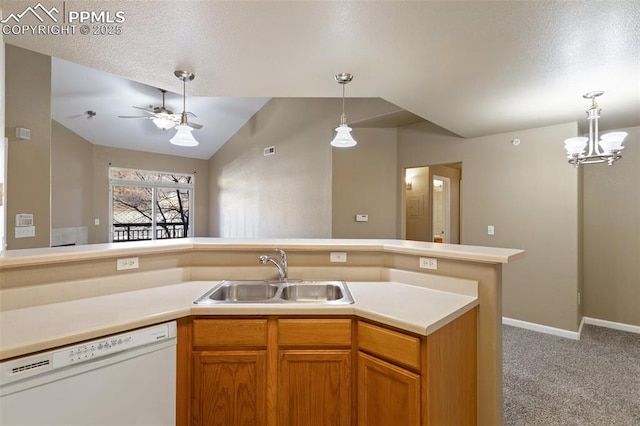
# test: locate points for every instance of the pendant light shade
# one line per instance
(343, 138)
(183, 136)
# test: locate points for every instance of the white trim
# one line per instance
(542, 328)
(610, 324)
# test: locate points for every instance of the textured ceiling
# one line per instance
(473, 68)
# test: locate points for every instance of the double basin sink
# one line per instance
(290, 291)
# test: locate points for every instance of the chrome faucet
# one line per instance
(280, 264)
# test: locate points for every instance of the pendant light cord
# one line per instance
(343, 118)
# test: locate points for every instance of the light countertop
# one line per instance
(26, 257)
(412, 308)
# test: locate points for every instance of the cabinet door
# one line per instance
(314, 388)
(229, 388)
(387, 394)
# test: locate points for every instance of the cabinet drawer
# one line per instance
(394, 346)
(231, 332)
(314, 332)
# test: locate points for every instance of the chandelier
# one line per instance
(607, 150)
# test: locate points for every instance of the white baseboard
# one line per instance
(542, 328)
(610, 324)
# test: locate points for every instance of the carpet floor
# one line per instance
(551, 380)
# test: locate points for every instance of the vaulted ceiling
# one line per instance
(473, 68)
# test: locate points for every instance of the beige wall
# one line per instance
(28, 105)
(3, 187)
(288, 194)
(531, 195)
(365, 181)
(612, 237)
(71, 179)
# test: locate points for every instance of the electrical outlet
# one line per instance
(428, 263)
(128, 263)
(338, 257)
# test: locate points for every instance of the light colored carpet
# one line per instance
(550, 380)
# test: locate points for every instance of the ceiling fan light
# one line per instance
(163, 123)
(343, 137)
(183, 136)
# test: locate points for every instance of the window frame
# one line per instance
(154, 185)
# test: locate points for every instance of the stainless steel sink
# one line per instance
(293, 291)
(245, 291)
(322, 292)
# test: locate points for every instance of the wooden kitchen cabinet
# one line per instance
(229, 372)
(314, 388)
(315, 378)
(411, 380)
(229, 388)
(271, 371)
(296, 371)
(387, 394)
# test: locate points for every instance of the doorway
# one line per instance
(440, 206)
(431, 203)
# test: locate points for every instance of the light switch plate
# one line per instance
(25, 231)
(491, 230)
(362, 218)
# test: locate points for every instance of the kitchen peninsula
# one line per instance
(41, 283)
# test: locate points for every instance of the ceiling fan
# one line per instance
(161, 116)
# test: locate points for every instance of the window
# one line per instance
(147, 205)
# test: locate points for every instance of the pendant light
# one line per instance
(183, 136)
(343, 137)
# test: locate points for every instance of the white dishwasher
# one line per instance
(121, 380)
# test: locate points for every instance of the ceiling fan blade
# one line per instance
(136, 116)
(190, 114)
(195, 126)
(144, 109)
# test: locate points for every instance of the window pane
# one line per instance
(175, 178)
(132, 213)
(148, 176)
(134, 175)
(172, 213)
